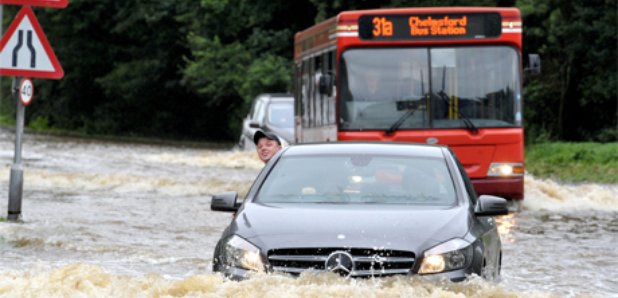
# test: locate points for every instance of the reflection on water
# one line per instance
(506, 224)
(124, 220)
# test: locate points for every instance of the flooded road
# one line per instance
(109, 219)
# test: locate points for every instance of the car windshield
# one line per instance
(460, 87)
(352, 179)
(281, 114)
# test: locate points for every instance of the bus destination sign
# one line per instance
(429, 26)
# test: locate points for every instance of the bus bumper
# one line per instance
(508, 188)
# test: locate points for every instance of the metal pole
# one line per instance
(17, 174)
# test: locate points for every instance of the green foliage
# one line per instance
(41, 123)
(239, 49)
(267, 74)
(189, 69)
(575, 98)
(574, 162)
(7, 120)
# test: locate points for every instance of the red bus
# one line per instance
(450, 76)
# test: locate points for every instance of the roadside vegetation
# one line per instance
(574, 162)
(175, 69)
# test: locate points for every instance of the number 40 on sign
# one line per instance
(26, 91)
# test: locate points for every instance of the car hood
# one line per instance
(369, 226)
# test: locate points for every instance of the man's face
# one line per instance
(267, 148)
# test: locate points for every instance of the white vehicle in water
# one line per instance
(270, 112)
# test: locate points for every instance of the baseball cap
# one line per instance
(262, 134)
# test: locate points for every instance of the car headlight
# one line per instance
(451, 255)
(238, 252)
(505, 169)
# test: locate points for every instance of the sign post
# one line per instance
(25, 52)
(16, 184)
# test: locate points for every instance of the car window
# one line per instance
(258, 112)
(359, 179)
(281, 114)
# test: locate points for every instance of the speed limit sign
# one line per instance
(26, 91)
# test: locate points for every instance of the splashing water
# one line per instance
(550, 195)
(105, 219)
(81, 280)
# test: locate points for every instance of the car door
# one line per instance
(484, 227)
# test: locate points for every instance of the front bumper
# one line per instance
(239, 274)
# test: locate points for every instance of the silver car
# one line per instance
(270, 112)
(361, 210)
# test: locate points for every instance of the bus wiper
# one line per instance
(469, 125)
(442, 95)
(409, 106)
(400, 121)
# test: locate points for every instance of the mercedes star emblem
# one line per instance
(340, 262)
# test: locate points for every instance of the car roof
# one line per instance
(373, 148)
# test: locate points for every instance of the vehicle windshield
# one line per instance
(421, 88)
(281, 114)
(357, 179)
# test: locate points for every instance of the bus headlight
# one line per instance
(238, 252)
(505, 169)
(451, 255)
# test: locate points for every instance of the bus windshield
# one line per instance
(420, 88)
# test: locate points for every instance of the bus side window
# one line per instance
(332, 70)
(316, 99)
(305, 90)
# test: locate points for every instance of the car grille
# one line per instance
(368, 262)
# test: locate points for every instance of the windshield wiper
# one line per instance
(442, 95)
(400, 121)
(410, 109)
(469, 125)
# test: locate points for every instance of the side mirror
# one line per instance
(326, 84)
(491, 205)
(226, 201)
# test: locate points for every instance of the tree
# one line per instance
(575, 98)
(238, 50)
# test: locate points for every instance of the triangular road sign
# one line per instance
(25, 51)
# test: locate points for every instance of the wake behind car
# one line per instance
(361, 210)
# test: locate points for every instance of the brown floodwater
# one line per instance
(111, 219)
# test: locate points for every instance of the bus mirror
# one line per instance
(326, 84)
(534, 64)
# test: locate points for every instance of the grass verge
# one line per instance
(574, 162)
